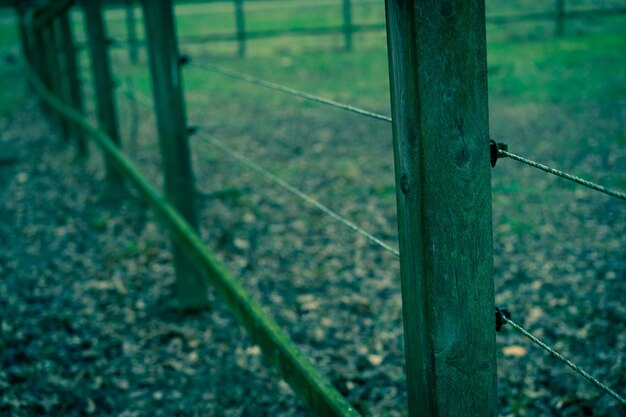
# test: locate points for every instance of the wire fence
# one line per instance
(377, 116)
(288, 90)
(365, 113)
(563, 359)
(248, 163)
(565, 175)
(136, 97)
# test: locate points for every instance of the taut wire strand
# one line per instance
(288, 90)
(565, 175)
(566, 361)
(293, 190)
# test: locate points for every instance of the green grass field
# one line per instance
(561, 101)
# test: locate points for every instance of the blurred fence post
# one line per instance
(169, 104)
(40, 58)
(53, 70)
(25, 37)
(347, 24)
(103, 82)
(438, 76)
(73, 79)
(560, 18)
(27, 44)
(240, 21)
(61, 70)
(131, 32)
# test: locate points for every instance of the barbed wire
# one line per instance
(288, 90)
(565, 175)
(295, 191)
(563, 359)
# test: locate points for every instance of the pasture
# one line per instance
(559, 256)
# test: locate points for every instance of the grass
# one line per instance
(528, 68)
(586, 66)
(534, 79)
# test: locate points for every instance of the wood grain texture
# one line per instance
(438, 73)
(173, 138)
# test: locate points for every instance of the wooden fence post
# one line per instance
(73, 79)
(560, 18)
(40, 62)
(347, 24)
(29, 48)
(240, 21)
(25, 37)
(438, 74)
(53, 71)
(103, 82)
(131, 32)
(173, 139)
(60, 63)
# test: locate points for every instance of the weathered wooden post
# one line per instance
(240, 22)
(347, 24)
(73, 79)
(103, 82)
(60, 64)
(173, 138)
(40, 58)
(25, 37)
(131, 32)
(53, 70)
(560, 18)
(438, 74)
(29, 48)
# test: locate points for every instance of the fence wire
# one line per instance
(132, 95)
(565, 175)
(288, 90)
(563, 359)
(317, 99)
(295, 191)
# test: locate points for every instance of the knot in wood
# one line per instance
(404, 184)
(447, 9)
